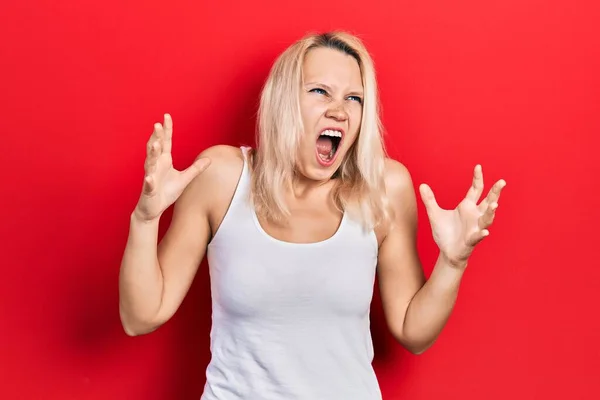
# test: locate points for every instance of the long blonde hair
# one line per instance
(360, 187)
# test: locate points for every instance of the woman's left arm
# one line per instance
(417, 309)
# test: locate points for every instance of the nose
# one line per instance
(337, 112)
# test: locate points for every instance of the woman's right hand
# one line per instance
(163, 184)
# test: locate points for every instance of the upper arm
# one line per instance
(183, 246)
(399, 268)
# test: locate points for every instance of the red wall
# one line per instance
(514, 85)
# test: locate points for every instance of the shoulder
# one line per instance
(225, 162)
(218, 181)
(401, 199)
(398, 181)
(400, 191)
(223, 156)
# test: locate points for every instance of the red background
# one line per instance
(514, 85)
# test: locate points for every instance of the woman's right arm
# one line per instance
(154, 278)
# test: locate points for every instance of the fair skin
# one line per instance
(156, 277)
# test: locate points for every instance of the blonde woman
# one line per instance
(294, 232)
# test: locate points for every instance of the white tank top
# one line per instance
(289, 320)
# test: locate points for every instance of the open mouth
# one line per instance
(327, 145)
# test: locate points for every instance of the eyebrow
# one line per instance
(324, 86)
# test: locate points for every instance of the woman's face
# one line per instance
(331, 107)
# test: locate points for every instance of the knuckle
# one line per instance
(150, 144)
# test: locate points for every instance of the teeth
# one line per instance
(326, 158)
(330, 132)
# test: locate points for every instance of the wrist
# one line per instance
(137, 218)
(453, 263)
(447, 274)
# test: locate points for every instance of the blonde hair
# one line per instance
(360, 187)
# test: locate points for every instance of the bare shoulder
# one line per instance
(401, 192)
(398, 180)
(226, 162)
(218, 181)
(210, 193)
(222, 152)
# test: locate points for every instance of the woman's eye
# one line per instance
(323, 91)
(319, 90)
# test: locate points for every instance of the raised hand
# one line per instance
(163, 184)
(458, 231)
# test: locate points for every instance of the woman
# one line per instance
(294, 232)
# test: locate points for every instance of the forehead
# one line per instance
(332, 67)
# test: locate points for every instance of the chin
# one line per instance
(312, 171)
(316, 174)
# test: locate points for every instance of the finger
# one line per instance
(157, 135)
(159, 131)
(493, 195)
(474, 192)
(154, 151)
(149, 184)
(168, 129)
(194, 170)
(488, 216)
(477, 237)
(428, 198)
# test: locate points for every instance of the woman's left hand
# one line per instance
(458, 231)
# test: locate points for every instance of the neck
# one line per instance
(302, 186)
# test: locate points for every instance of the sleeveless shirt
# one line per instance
(289, 320)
